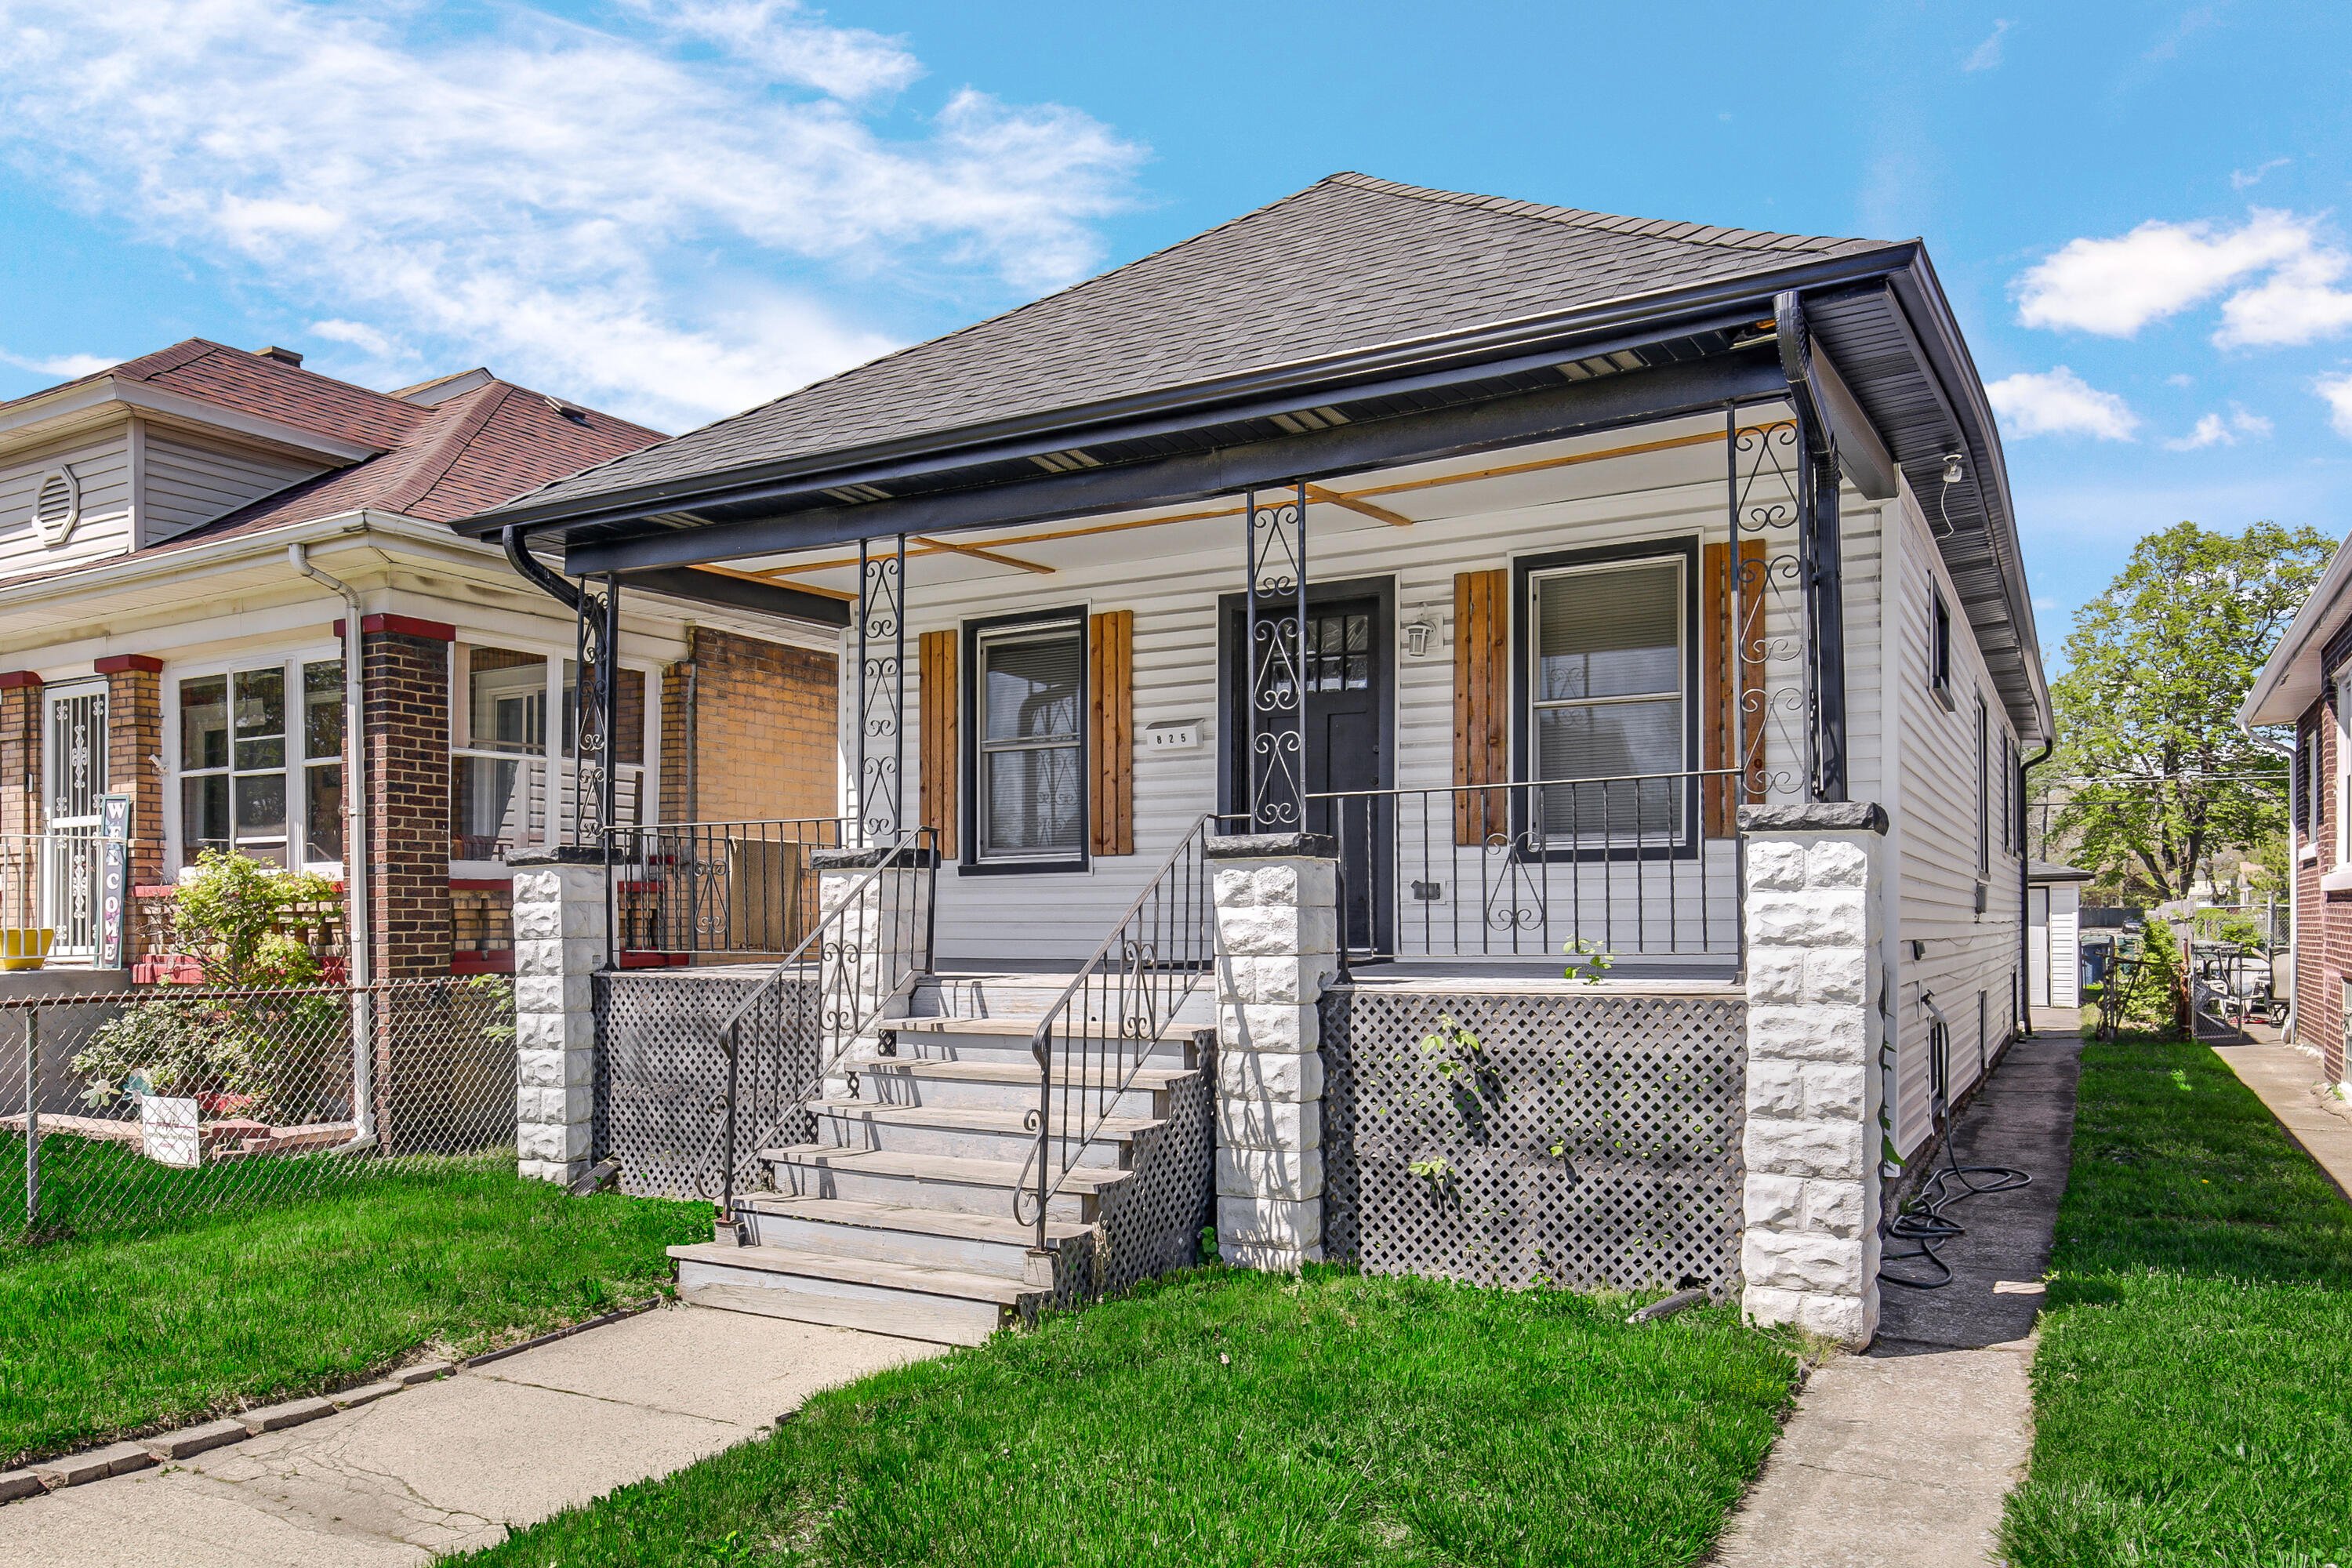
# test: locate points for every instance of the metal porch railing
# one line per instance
(1642, 866)
(866, 946)
(1099, 1033)
(744, 888)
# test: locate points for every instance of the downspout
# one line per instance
(2025, 880)
(359, 949)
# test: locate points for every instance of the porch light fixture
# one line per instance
(1951, 468)
(1418, 637)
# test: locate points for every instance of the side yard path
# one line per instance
(1218, 1417)
(2193, 1390)
(450, 1464)
(1902, 1455)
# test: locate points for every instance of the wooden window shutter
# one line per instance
(941, 705)
(1723, 691)
(1111, 731)
(1482, 697)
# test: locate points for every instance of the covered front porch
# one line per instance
(1524, 689)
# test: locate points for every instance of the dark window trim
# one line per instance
(1523, 571)
(1940, 647)
(970, 863)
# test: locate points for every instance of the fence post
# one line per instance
(560, 916)
(1277, 928)
(1810, 1251)
(32, 1120)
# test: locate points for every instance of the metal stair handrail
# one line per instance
(846, 1013)
(1166, 936)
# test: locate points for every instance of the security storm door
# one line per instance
(73, 766)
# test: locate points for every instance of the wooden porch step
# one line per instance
(1019, 1073)
(911, 1301)
(993, 1244)
(1115, 1129)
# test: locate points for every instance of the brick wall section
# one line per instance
(134, 733)
(763, 730)
(20, 753)
(2323, 924)
(406, 692)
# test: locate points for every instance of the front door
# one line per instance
(73, 756)
(1347, 681)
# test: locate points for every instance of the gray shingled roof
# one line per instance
(1348, 264)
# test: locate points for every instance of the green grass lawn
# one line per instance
(1224, 1417)
(103, 1335)
(2193, 1390)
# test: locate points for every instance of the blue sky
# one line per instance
(674, 208)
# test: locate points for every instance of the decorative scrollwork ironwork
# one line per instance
(1275, 640)
(1771, 628)
(881, 687)
(592, 697)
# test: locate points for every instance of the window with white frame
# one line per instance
(260, 754)
(1031, 797)
(1606, 701)
(512, 771)
(2343, 791)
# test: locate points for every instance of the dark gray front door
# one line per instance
(1347, 680)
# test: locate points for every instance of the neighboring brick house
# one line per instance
(160, 638)
(2308, 684)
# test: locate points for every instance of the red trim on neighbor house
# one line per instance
(115, 663)
(653, 960)
(480, 884)
(405, 625)
(13, 678)
(482, 961)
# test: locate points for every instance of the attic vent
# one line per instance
(571, 411)
(853, 494)
(1068, 462)
(1307, 419)
(57, 505)
(283, 356)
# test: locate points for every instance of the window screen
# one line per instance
(1031, 797)
(1606, 694)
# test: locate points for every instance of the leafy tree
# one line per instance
(2163, 776)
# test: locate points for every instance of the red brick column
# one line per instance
(20, 794)
(20, 751)
(404, 667)
(134, 734)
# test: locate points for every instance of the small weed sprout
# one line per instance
(1588, 961)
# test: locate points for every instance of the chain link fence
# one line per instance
(125, 1112)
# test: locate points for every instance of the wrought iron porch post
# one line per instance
(1817, 517)
(595, 719)
(881, 687)
(1274, 539)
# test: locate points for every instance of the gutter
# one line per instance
(359, 949)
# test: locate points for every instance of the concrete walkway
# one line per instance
(1900, 1457)
(2291, 1083)
(447, 1466)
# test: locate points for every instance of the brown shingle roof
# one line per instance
(271, 388)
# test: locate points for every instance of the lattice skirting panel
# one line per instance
(1511, 1140)
(661, 1078)
(1153, 1223)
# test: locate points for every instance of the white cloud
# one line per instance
(2337, 391)
(2180, 378)
(64, 367)
(1987, 55)
(2060, 402)
(602, 214)
(359, 335)
(2114, 287)
(2213, 430)
(793, 46)
(2244, 179)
